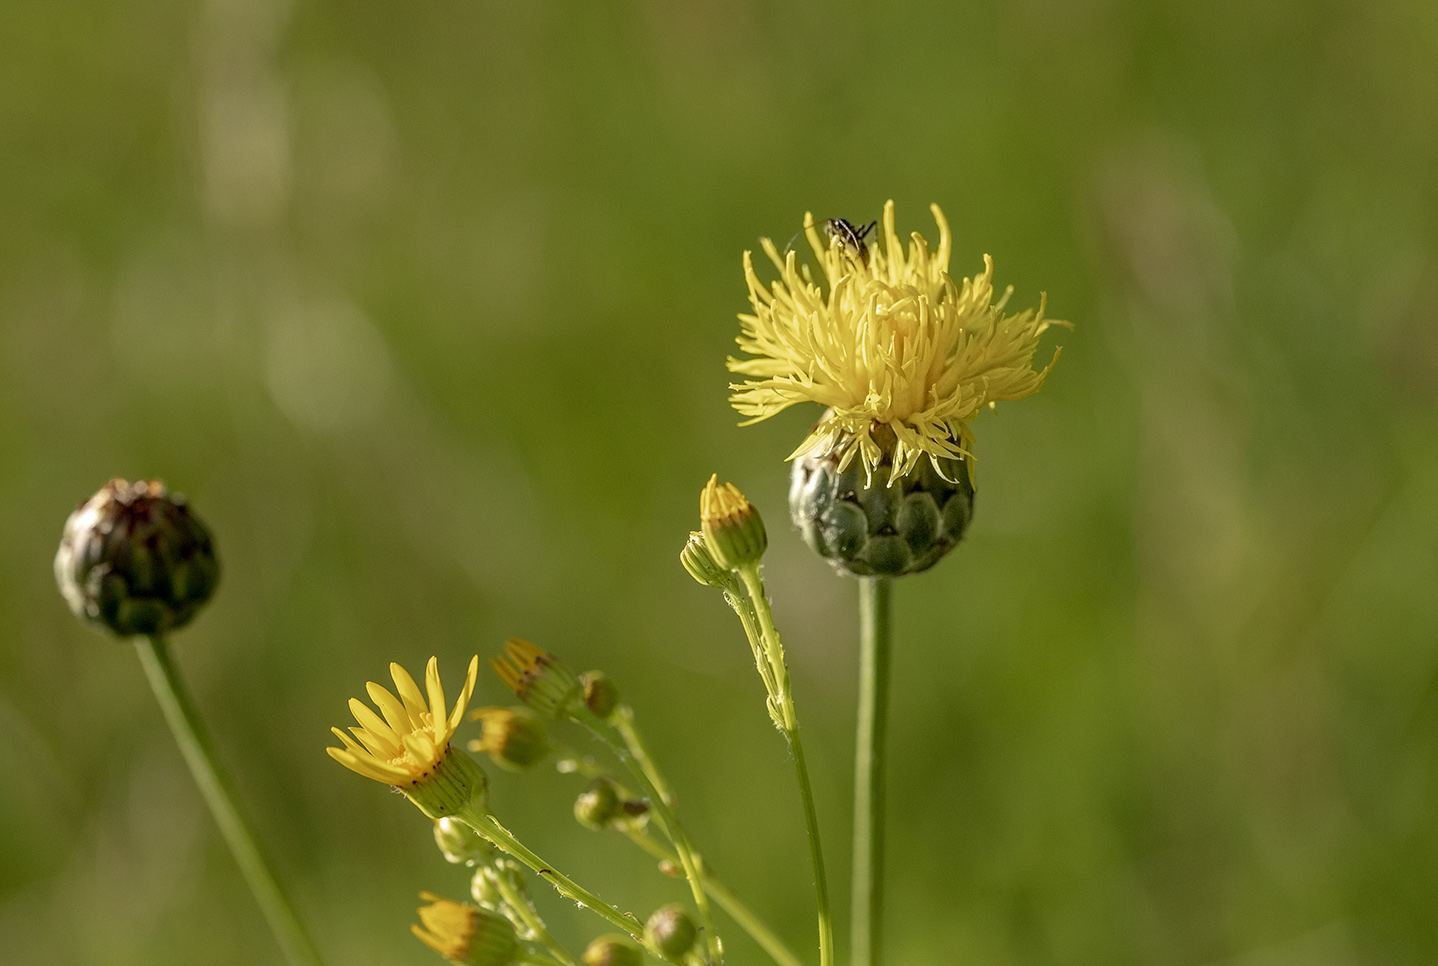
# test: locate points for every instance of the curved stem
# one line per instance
(724, 897)
(875, 633)
(499, 836)
(754, 584)
(198, 751)
(637, 760)
(524, 909)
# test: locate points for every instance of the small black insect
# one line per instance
(850, 235)
(847, 232)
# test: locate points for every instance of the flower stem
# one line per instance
(637, 760)
(724, 897)
(789, 716)
(499, 836)
(875, 634)
(198, 752)
(526, 913)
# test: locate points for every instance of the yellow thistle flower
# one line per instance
(889, 343)
(465, 934)
(407, 745)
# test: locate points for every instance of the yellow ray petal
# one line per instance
(372, 722)
(465, 694)
(394, 711)
(436, 694)
(408, 691)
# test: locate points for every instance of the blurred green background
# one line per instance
(425, 307)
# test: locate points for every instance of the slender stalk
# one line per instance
(637, 760)
(624, 724)
(526, 913)
(198, 751)
(754, 584)
(499, 836)
(724, 897)
(875, 634)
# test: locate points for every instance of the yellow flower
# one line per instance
(890, 343)
(407, 745)
(465, 934)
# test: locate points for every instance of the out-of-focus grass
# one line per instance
(425, 308)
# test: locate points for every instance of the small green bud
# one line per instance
(613, 949)
(597, 805)
(733, 530)
(697, 559)
(513, 738)
(671, 930)
(458, 843)
(601, 697)
(134, 559)
(483, 889)
(538, 679)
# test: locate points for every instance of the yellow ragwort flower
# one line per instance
(465, 934)
(406, 746)
(889, 343)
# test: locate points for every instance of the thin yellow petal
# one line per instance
(436, 694)
(372, 722)
(408, 691)
(369, 768)
(392, 708)
(465, 694)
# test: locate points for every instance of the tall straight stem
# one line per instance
(875, 635)
(198, 752)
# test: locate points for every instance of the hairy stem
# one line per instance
(789, 716)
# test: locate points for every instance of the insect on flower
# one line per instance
(850, 235)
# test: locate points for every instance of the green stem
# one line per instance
(754, 584)
(539, 959)
(524, 909)
(637, 760)
(725, 897)
(499, 836)
(624, 723)
(875, 634)
(198, 752)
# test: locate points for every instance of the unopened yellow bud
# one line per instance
(538, 679)
(733, 530)
(513, 738)
(465, 934)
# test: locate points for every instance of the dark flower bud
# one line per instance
(133, 558)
